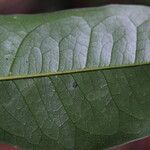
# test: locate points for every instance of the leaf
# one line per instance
(77, 79)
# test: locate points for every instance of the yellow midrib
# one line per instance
(28, 76)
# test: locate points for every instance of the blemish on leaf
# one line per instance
(75, 84)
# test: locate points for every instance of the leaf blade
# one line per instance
(87, 110)
(67, 52)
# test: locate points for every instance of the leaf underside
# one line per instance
(93, 85)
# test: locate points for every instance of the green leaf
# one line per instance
(77, 79)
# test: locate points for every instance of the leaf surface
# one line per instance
(92, 85)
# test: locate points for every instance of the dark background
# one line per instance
(39, 6)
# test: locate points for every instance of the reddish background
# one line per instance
(36, 6)
(7, 147)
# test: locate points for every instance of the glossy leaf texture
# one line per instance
(92, 89)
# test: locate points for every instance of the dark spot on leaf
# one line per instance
(75, 84)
